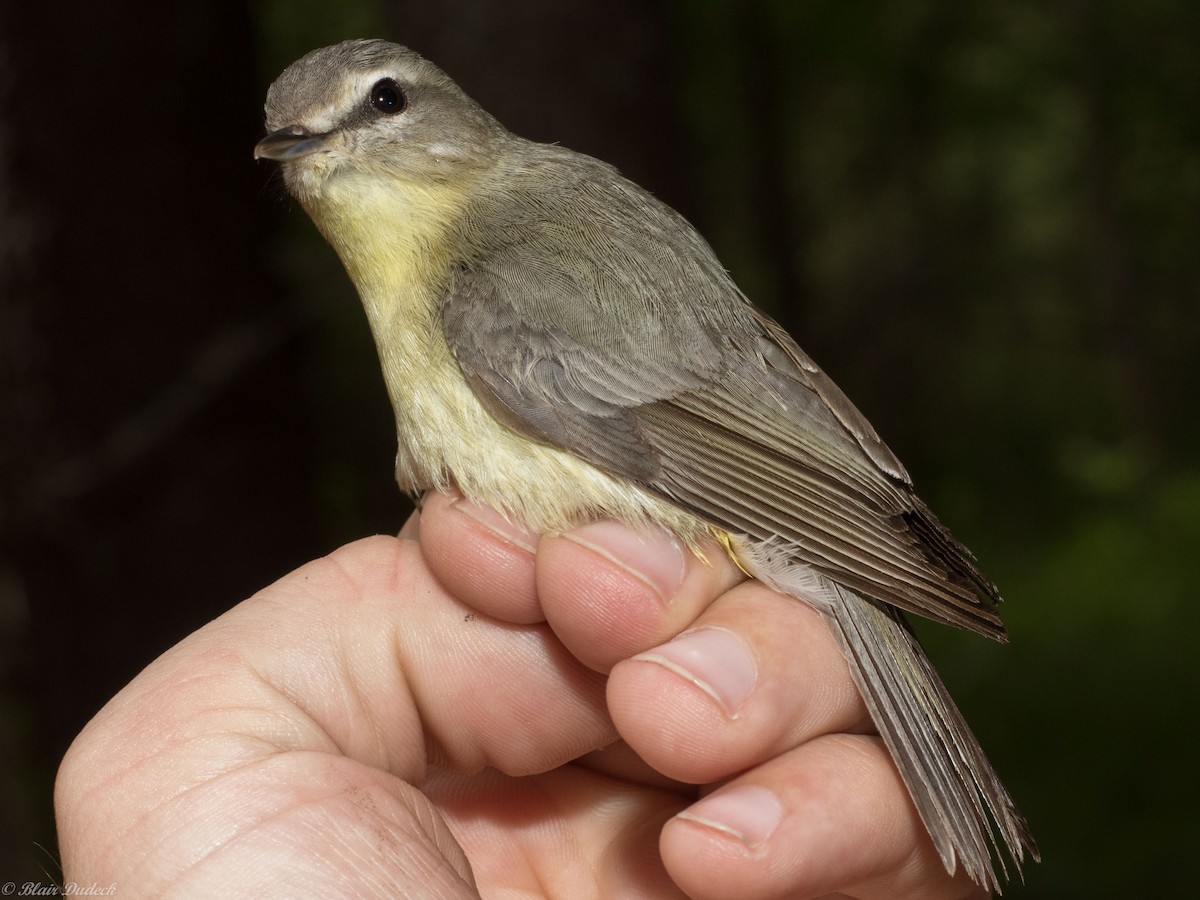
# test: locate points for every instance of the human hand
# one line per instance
(433, 719)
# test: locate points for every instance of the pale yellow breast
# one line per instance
(393, 241)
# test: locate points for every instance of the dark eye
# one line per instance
(387, 97)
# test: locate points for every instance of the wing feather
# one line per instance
(657, 369)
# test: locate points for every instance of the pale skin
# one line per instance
(414, 718)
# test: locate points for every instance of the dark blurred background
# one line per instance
(975, 216)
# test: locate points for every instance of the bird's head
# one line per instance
(375, 109)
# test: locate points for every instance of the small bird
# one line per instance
(562, 346)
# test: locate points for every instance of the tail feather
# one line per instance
(961, 800)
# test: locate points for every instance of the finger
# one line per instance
(757, 674)
(407, 661)
(830, 816)
(351, 668)
(610, 591)
(481, 557)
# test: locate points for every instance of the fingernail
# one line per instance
(498, 524)
(713, 659)
(654, 556)
(749, 813)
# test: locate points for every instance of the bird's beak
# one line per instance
(290, 143)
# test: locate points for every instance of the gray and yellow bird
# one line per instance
(562, 346)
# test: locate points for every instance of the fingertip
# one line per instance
(482, 558)
(496, 523)
(749, 813)
(830, 816)
(610, 591)
(653, 556)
